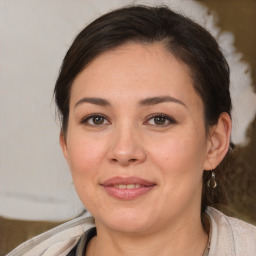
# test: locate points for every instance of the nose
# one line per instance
(127, 147)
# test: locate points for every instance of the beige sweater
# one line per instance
(229, 237)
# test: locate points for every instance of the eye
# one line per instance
(161, 120)
(95, 120)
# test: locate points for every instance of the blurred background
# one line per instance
(36, 190)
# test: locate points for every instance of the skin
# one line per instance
(128, 141)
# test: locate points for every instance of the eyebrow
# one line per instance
(158, 100)
(95, 101)
(145, 102)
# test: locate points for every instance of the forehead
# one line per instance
(135, 69)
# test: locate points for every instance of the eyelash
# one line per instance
(170, 120)
(86, 119)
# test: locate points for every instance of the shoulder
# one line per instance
(58, 241)
(231, 236)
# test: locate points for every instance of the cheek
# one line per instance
(85, 162)
(180, 162)
(85, 157)
(179, 155)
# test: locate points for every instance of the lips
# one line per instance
(127, 188)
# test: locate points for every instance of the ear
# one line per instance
(63, 145)
(218, 142)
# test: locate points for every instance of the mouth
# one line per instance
(127, 188)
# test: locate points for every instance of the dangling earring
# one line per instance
(211, 183)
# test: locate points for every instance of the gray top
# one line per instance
(228, 237)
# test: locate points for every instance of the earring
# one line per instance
(211, 183)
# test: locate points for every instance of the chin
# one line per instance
(126, 220)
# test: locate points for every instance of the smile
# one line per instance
(127, 188)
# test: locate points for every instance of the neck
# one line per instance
(188, 239)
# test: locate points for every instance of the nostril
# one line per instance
(124, 161)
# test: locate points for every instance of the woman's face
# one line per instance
(136, 141)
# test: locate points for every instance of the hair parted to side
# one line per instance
(186, 40)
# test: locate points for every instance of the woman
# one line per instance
(143, 97)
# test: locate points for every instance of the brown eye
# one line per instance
(95, 120)
(160, 120)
